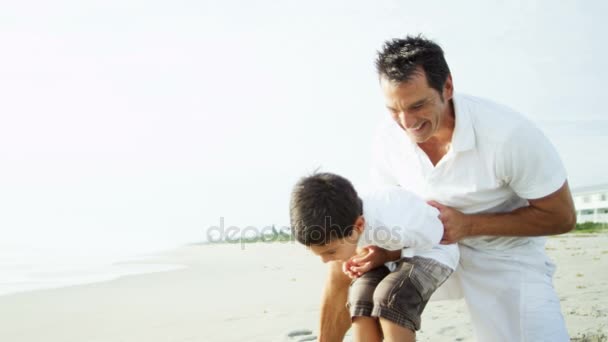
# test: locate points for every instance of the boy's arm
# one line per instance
(375, 257)
(335, 318)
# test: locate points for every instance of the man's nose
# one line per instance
(405, 119)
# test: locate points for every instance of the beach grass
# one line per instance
(590, 227)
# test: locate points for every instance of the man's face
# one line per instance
(338, 249)
(416, 107)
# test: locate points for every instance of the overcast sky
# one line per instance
(129, 121)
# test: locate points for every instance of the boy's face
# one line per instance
(340, 249)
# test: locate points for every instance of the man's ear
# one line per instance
(448, 89)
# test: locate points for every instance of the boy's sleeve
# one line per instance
(413, 223)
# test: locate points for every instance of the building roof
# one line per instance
(590, 189)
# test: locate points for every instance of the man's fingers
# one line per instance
(445, 242)
(435, 204)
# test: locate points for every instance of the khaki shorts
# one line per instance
(399, 296)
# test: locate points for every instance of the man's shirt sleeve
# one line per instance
(529, 163)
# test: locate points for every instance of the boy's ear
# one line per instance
(360, 224)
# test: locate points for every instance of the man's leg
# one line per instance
(510, 295)
(335, 318)
(541, 315)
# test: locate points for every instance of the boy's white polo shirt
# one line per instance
(399, 219)
(497, 160)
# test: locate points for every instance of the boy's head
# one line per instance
(327, 215)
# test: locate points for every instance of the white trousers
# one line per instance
(509, 294)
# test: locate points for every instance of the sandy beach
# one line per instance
(259, 292)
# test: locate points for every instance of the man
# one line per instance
(499, 186)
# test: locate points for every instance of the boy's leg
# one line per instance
(395, 333)
(366, 329)
(361, 304)
(400, 298)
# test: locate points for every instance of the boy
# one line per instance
(388, 243)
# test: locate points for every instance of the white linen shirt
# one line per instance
(497, 160)
(398, 219)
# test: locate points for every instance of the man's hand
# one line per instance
(370, 258)
(456, 225)
(552, 214)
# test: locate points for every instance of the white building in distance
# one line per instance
(591, 203)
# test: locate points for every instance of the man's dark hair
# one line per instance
(400, 59)
(324, 207)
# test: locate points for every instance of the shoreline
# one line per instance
(38, 272)
(84, 277)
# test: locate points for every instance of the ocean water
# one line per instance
(25, 268)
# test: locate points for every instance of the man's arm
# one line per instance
(335, 318)
(550, 215)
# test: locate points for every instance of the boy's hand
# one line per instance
(370, 258)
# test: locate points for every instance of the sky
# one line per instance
(146, 122)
